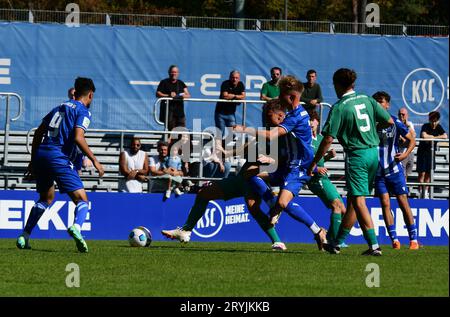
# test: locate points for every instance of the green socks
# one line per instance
(335, 223)
(197, 211)
(263, 222)
(342, 235)
(371, 238)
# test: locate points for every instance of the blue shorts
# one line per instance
(50, 167)
(291, 179)
(393, 184)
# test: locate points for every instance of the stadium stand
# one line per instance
(107, 147)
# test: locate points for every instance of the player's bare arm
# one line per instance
(84, 147)
(37, 140)
(412, 143)
(323, 148)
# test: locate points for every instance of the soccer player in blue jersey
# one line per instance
(55, 153)
(290, 176)
(390, 178)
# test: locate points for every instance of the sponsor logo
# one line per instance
(14, 215)
(429, 222)
(423, 91)
(214, 219)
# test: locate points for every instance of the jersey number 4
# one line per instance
(55, 123)
(363, 116)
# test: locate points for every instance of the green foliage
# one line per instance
(429, 12)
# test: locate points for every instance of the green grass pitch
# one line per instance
(112, 268)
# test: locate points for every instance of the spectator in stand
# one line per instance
(134, 167)
(174, 165)
(312, 95)
(231, 89)
(270, 89)
(430, 130)
(214, 163)
(71, 93)
(177, 89)
(407, 163)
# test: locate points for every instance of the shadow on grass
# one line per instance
(208, 249)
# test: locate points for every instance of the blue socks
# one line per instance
(80, 214)
(412, 231)
(36, 212)
(392, 232)
(262, 190)
(298, 213)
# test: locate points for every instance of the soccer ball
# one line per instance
(140, 237)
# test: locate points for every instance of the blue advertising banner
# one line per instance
(113, 215)
(41, 61)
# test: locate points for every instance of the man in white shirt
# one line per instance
(134, 166)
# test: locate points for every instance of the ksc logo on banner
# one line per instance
(423, 91)
(211, 222)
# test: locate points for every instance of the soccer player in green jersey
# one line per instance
(321, 186)
(353, 121)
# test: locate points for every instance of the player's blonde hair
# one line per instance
(290, 83)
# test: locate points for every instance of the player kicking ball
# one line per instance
(234, 186)
(390, 178)
(56, 148)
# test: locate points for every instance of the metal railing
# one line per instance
(122, 134)
(165, 123)
(432, 145)
(8, 96)
(157, 104)
(169, 21)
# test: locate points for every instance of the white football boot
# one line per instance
(178, 234)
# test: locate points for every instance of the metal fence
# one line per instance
(167, 21)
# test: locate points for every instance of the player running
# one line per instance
(321, 186)
(390, 178)
(56, 147)
(291, 175)
(353, 120)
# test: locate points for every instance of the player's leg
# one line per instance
(382, 189)
(206, 193)
(409, 221)
(337, 212)
(259, 186)
(79, 198)
(45, 199)
(253, 204)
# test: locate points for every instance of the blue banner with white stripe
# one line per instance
(113, 215)
(41, 61)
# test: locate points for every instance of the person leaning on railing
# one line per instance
(407, 163)
(425, 154)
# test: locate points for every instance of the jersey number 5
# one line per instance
(54, 123)
(363, 116)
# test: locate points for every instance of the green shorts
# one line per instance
(234, 186)
(360, 169)
(322, 187)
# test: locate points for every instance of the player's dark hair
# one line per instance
(311, 71)
(273, 105)
(83, 86)
(313, 115)
(172, 67)
(276, 68)
(380, 95)
(344, 77)
(162, 143)
(290, 83)
(434, 115)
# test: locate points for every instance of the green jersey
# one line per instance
(271, 91)
(352, 120)
(315, 143)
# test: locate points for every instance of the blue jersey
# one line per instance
(60, 124)
(388, 147)
(299, 149)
